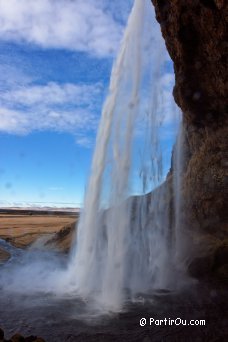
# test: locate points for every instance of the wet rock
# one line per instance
(201, 267)
(17, 338)
(221, 256)
(30, 338)
(222, 273)
(1, 334)
(195, 36)
(4, 255)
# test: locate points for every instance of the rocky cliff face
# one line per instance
(195, 34)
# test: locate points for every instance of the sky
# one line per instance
(55, 64)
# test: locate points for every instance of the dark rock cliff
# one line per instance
(195, 33)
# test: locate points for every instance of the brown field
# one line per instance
(22, 230)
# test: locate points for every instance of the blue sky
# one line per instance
(55, 64)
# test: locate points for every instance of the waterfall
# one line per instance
(122, 245)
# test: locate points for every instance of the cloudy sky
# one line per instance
(55, 64)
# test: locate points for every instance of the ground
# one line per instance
(22, 229)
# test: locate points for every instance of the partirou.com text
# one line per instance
(170, 321)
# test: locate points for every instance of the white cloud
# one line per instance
(52, 107)
(11, 76)
(79, 25)
(12, 121)
(119, 9)
(52, 94)
(84, 141)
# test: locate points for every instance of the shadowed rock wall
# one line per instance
(195, 34)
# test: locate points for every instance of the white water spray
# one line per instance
(124, 247)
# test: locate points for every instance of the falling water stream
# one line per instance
(123, 240)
